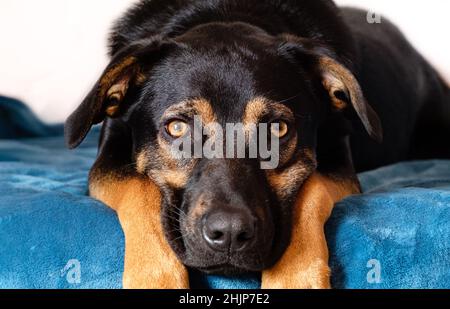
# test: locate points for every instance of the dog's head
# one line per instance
(224, 213)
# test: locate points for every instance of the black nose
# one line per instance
(229, 230)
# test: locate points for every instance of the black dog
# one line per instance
(305, 65)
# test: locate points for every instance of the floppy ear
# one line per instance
(340, 83)
(344, 89)
(103, 100)
(106, 98)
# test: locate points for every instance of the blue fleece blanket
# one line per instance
(396, 235)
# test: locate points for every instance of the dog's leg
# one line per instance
(305, 263)
(149, 261)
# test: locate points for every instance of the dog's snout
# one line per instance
(225, 230)
(229, 225)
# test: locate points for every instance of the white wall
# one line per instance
(52, 51)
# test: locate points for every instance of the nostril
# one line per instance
(216, 232)
(217, 236)
(218, 240)
(243, 237)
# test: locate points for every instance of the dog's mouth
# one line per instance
(205, 260)
(224, 269)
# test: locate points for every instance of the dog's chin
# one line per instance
(230, 266)
(225, 270)
(229, 270)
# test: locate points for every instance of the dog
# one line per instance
(345, 96)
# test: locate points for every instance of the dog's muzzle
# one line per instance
(229, 220)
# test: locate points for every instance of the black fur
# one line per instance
(229, 51)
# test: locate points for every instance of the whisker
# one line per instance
(178, 214)
(174, 231)
(172, 218)
(291, 98)
(181, 237)
(181, 211)
(134, 164)
(305, 117)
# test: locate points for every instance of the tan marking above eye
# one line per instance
(279, 129)
(259, 107)
(177, 128)
(190, 109)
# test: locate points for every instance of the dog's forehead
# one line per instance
(255, 110)
(226, 79)
(187, 75)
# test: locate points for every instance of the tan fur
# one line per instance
(254, 110)
(204, 109)
(175, 179)
(142, 162)
(140, 78)
(305, 263)
(112, 110)
(162, 168)
(115, 83)
(333, 84)
(339, 78)
(117, 91)
(199, 209)
(111, 76)
(258, 107)
(285, 181)
(149, 261)
(200, 107)
(195, 213)
(282, 182)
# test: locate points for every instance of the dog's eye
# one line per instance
(177, 128)
(279, 129)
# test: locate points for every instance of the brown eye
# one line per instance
(279, 129)
(177, 128)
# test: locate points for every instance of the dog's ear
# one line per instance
(341, 84)
(125, 72)
(344, 89)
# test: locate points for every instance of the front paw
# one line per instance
(315, 275)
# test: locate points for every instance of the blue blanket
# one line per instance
(396, 235)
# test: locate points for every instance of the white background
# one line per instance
(51, 51)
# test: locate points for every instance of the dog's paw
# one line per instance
(315, 276)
